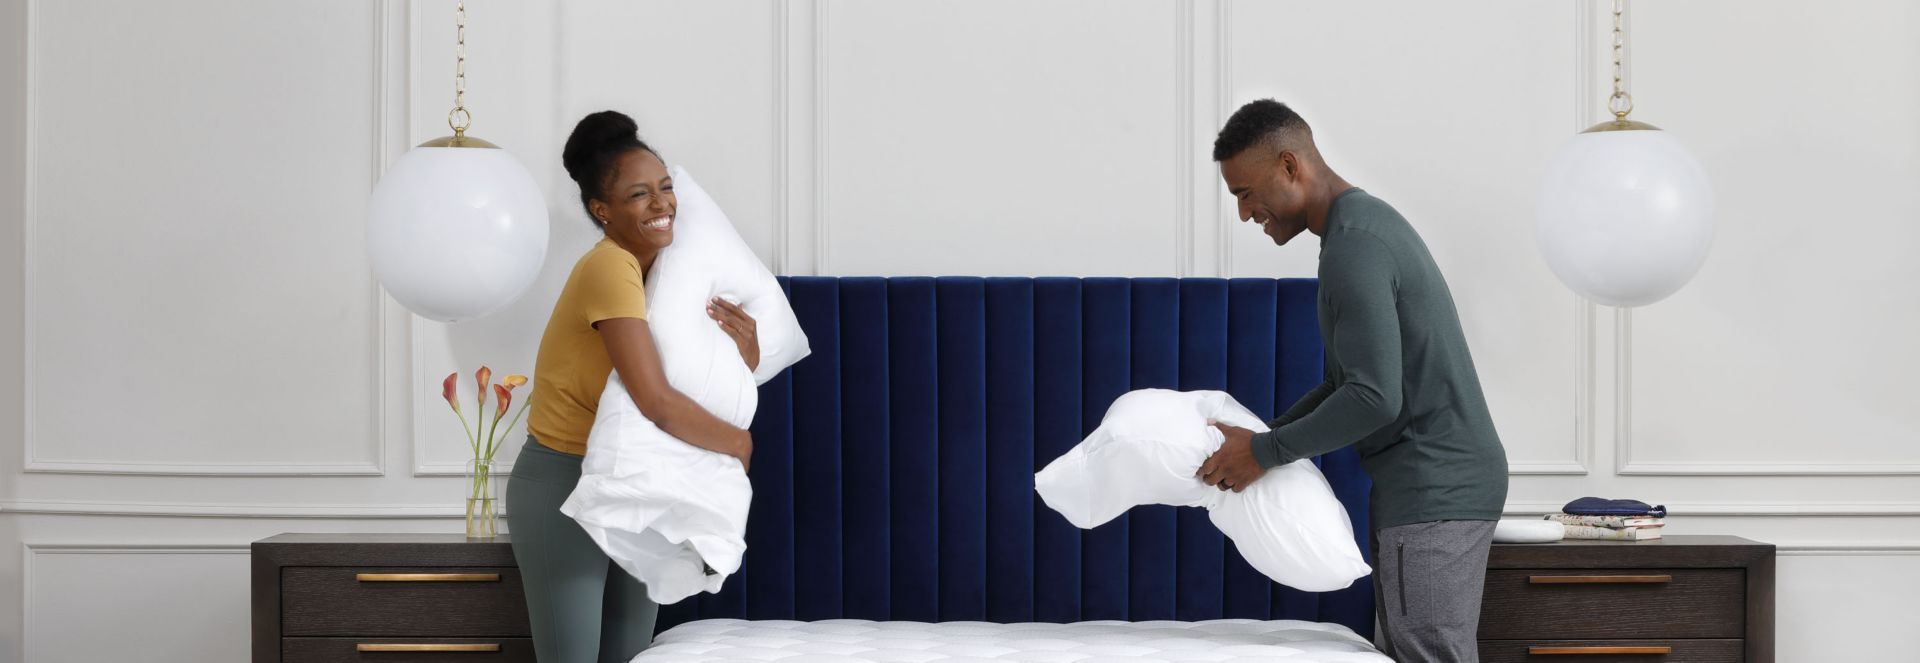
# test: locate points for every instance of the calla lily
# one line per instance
(484, 435)
(504, 397)
(450, 391)
(484, 377)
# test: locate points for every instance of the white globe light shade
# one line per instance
(1625, 217)
(456, 233)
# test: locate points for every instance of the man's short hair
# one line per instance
(1257, 122)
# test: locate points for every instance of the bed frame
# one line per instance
(893, 469)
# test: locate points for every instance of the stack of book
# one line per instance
(1611, 528)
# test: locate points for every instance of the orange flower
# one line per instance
(450, 392)
(513, 381)
(505, 398)
(484, 377)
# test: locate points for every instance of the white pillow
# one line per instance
(1288, 525)
(706, 259)
(672, 514)
(1528, 531)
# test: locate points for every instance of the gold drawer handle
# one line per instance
(427, 577)
(1599, 580)
(1543, 651)
(365, 647)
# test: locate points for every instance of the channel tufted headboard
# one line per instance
(893, 469)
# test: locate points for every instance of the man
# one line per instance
(1399, 386)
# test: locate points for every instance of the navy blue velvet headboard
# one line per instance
(893, 469)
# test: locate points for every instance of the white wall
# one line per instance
(233, 371)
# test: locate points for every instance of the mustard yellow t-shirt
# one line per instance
(572, 367)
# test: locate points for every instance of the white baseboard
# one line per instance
(267, 511)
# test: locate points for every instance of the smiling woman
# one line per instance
(580, 603)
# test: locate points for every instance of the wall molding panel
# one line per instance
(822, 220)
(800, 232)
(32, 460)
(1624, 438)
(30, 551)
(1183, 101)
(236, 510)
(1849, 550)
(1754, 509)
(1223, 108)
(782, 249)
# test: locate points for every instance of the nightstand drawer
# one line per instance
(409, 650)
(404, 601)
(1610, 651)
(1563, 604)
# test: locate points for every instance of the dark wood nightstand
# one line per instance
(1679, 598)
(327, 598)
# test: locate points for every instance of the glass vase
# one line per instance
(483, 505)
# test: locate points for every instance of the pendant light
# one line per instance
(457, 228)
(1625, 214)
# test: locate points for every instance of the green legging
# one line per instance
(583, 606)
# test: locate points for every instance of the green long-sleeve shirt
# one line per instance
(1400, 384)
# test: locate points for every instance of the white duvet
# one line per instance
(856, 641)
(1288, 524)
(671, 514)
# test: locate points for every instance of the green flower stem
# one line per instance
(495, 445)
(473, 440)
(490, 437)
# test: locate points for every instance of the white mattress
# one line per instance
(854, 640)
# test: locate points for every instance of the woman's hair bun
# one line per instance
(594, 135)
(596, 145)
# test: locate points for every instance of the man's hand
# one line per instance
(1232, 467)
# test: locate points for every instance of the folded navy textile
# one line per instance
(1594, 506)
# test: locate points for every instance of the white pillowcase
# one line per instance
(665, 510)
(1512, 530)
(1288, 525)
(708, 259)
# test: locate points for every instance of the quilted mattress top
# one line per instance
(716, 640)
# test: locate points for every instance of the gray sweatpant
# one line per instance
(1427, 583)
(584, 608)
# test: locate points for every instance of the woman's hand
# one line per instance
(743, 450)
(735, 321)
